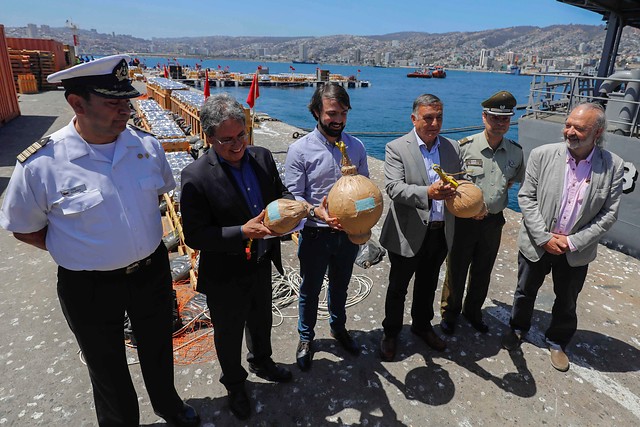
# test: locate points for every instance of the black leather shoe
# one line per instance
(239, 404)
(447, 326)
(303, 355)
(186, 417)
(430, 337)
(388, 347)
(478, 325)
(346, 341)
(271, 372)
(512, 340)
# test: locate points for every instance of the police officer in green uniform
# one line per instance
(493, 163)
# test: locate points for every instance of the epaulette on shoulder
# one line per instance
(143, 130)
(465, 140)
(22, 157)
(516, 144)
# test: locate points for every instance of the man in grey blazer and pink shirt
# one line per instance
(418, 229)
(569, 199)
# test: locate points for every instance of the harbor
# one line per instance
(194, 77)
(474, 382)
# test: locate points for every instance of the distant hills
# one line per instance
(403, 48)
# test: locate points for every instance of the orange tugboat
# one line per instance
(423, 73)
(438, 73)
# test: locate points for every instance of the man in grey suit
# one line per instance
(414, 229)
(569, 199)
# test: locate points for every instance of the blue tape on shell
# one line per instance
(365, 204)
(272, 211)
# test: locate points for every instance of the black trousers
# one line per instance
(94, 304)
(567, 284)
(426, 266)
(239, 303)
(474, 251)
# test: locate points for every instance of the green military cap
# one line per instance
(500, 104)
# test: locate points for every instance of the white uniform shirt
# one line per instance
(102, 214)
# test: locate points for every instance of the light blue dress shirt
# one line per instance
(313, 166)
(432, 158)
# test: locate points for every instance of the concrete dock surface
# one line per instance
(473, 383)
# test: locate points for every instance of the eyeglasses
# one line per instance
(242, 138)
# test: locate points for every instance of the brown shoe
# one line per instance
(559, 360)
(430, 337)
(388, 347)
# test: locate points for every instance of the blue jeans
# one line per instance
(324, 250)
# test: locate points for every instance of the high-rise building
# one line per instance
(32, 31)
(303, 52)
(484, 55)
(357, 56)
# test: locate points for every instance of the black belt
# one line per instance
(326, 230)
(435, 225)
(133, 267)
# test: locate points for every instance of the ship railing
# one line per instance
(553, 95)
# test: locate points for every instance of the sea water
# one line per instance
(382, 111)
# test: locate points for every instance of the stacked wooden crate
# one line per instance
(35, 62)
(27, 83)
(157, 121)
(20, 65)
(45, 66)
(159, 89)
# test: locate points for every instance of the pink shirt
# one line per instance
(576, 181)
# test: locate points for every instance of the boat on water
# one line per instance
(423, 73)
(553, 95)
(304, 62)
(438, 72)
(513, 69)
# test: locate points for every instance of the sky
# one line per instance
(187, 18)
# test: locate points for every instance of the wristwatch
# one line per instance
(312, 212)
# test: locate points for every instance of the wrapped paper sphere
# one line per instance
(468, 201)
(283, 215)
(356, 201)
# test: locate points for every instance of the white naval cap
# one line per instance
(107, 77)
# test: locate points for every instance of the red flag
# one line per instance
(166, 72)
(207, 92)
(292, 69)
(358, 70)
(254, 91)
(219, 67)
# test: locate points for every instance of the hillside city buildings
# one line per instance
(558, 47)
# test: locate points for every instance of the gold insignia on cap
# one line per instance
(140, 155)
(146, 155)
(121, 71)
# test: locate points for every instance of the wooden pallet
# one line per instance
(175, 224)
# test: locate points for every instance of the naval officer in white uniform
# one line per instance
(88, 194)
